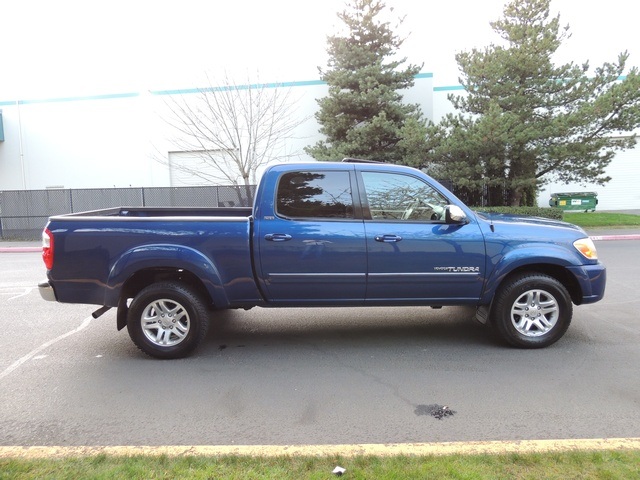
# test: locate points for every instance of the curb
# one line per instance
(632, 236)
(419, 449)
(20, 249)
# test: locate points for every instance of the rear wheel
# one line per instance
(167, 320)
(532, 310)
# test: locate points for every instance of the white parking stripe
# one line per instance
(27, 291)
(44, 346)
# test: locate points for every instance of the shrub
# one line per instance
(546, 212)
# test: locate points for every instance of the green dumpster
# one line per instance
(574, 201)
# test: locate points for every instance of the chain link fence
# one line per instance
(24, 213)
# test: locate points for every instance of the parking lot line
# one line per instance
(42, 347)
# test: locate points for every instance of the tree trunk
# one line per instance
(515, 196)
(522, 178)
(248, 194)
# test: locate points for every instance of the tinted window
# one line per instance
(315, 195)
(402, 197)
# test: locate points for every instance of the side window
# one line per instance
(402, 197)
(315, 195)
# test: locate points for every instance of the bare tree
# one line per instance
(233, 130)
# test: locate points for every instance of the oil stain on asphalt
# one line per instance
(435, 410)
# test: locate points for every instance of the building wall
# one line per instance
(79, 143)
(620, 193)
(124, 140)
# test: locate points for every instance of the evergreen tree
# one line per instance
(363, 116)
(529, 121)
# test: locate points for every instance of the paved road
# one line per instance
(325, 376)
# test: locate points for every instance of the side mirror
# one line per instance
(455, 215)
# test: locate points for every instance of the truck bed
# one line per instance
(117, 243)
(172, 212)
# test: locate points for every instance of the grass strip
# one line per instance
(602, 219)
(605, 464)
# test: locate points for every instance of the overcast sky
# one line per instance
(88, 47)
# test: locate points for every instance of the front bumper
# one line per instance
(47, 292)
(592, 280)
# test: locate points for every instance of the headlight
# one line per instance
(586, 247)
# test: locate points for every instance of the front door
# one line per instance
(413, 255)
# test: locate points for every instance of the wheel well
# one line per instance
(556, 271)
(144, 278)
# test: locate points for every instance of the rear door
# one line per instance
(413, 255)
(313, 250)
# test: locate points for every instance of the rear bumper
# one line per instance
(592, 280)
(47, 292)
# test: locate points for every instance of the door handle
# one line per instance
(277, 237)
(387, 238)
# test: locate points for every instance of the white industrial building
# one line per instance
(122, 139)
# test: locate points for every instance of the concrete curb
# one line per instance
(20, 249)
(416, 449)
(633, 236)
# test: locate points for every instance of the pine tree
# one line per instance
(529, 121)
(363, 115)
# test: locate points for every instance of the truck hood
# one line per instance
(503, 222)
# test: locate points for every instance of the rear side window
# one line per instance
(315, 195)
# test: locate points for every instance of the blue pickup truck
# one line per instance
(350, 233)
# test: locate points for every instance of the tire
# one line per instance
(167, 320)
(531, 310)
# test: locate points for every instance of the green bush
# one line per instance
(546, 212)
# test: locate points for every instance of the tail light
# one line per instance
(47, 248)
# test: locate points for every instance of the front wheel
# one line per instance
(167, 320)
(532, 310)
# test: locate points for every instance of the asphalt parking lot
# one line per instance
(316, 376)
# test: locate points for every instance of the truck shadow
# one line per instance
(350, 328)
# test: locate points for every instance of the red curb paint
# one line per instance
(615, 237)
